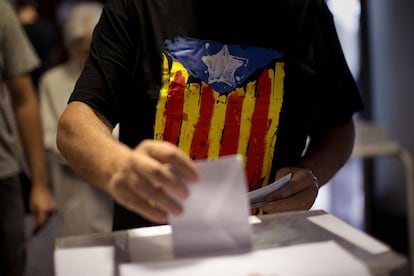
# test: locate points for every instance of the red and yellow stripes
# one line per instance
(206, 124)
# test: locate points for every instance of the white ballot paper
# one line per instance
(89, 260)
(216, 214)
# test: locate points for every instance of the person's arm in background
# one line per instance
(323, 159)
(27, 116)
(133, 177)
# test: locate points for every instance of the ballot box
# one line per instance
(292, 243)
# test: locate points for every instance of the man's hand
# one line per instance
(146, 183)
(42, 204)
(299, 194)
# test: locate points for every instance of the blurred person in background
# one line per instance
(83, 209)
(19, 123)
(41, 34)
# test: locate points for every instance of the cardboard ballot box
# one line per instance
(291, 243)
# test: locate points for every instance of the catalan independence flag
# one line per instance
(218, 100)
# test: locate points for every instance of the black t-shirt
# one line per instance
(257, 80)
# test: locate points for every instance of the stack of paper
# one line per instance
(257, 197)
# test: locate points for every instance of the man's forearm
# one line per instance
(329, 154)
(31, 135)
(86, 142)
(27, 115)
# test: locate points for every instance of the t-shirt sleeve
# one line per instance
(107, 72)
(339, 94)
(19, 56)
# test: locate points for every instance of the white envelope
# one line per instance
(216, 214)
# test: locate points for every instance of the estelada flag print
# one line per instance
(209, 85)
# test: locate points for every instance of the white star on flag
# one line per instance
(222, 66)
